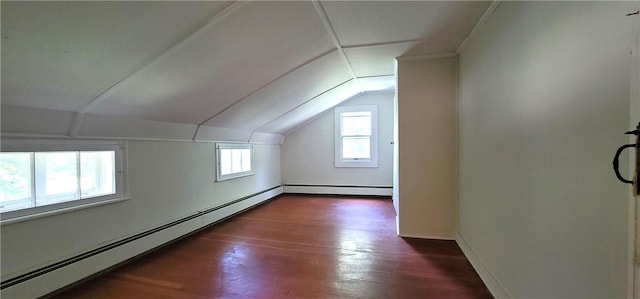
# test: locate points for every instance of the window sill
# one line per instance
(4, 222)
(356, 163)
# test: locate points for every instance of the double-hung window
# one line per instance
(38, 176)
(233, 160)
(356, 136)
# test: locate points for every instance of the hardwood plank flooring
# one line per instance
(297, 247)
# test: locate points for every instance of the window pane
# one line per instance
(356, 148)
(356, 123)
(97, 173)
(15, 181)
(56, 177)
(236, 160)
(246, 160)
(225, 161)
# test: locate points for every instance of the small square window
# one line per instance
(233, 161)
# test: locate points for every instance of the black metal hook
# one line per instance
(616, 158)
(616, 162)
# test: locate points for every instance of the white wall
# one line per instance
(167, 181)
(544, 100)
(427, 149)
(308, 152)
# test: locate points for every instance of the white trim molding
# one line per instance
(485, 17)
(339, 190)
(427, 56)
(496, 289)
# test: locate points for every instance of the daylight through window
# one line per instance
(356, 136)
(35, 179)
(234, 160)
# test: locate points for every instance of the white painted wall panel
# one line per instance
(544, 99)
(308, 152)
(167, 181)
(427, 149)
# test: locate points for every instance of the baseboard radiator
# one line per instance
(385, 191)
(63, 273)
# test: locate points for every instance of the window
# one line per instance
(234, 160)
(39, 176)
(356, 133)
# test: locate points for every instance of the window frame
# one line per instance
(53, 145)
(221, 146)
(340, 161)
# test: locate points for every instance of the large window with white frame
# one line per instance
(38, 176)
(234, 160)
(356, 136)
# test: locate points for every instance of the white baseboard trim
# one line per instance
(496, 289)
(338, 190)
(51, 280)
(425, 237)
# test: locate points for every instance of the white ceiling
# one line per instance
(248, 66)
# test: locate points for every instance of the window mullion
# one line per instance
(32, 160)
(78, 176)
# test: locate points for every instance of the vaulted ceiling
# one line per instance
(243, 66)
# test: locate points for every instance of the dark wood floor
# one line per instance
(297, 247)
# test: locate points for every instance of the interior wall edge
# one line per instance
(496, 289)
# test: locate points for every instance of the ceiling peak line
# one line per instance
(302, 104)
(291, 71)
(390, 43)
(334, 37)
(154, 59)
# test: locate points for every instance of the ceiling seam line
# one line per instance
(76, 123)
(334, 37)
(376, 76)
(148, 62)
(483, 19)
(195, 134)
(300, 105)
(391, 43)
(289, 72)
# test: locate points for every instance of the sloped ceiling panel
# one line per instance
(61, 55)
(222, 64)
(379, 83)
(49, 122)
(376, 60)
(117, 127)
(312, 108)
(285, 94)
(367, 23)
